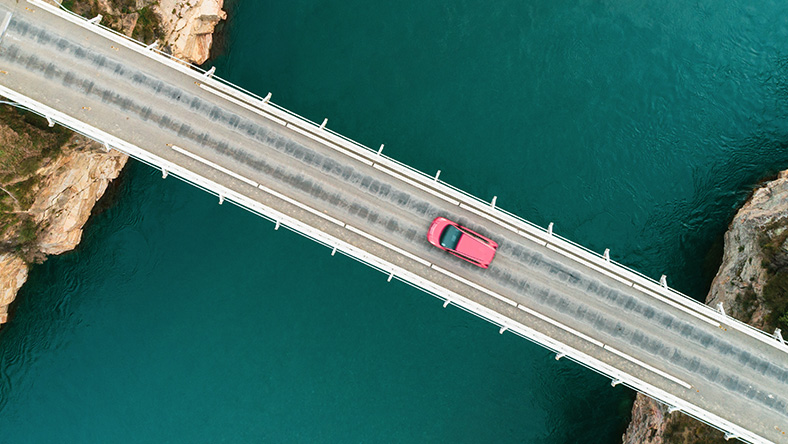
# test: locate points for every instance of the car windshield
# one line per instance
(450, 237)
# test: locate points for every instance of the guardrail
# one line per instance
(379, 157)
(560, 349)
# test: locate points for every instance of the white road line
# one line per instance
(412, 182)
(213, 165)
(532, 238)
(302, 206)
(255, 184)
(242, 104)
(481, 213)
(646, 366)
(588, 264)
(388, 245)
(474, 285)
(676, 305)
(560, 325)
(324, 142)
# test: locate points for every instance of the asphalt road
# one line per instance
(188, 122)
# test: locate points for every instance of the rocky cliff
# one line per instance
(749, 285)
(66, 186)
(188, 27)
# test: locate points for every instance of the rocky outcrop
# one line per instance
(739, 286)
(189, 26)
(68, 188)
(13, 271)
(72, 185)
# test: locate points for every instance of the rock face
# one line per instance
(189, 27)
(69, 188)
(14, 273)
(73, 184)
(738, 286)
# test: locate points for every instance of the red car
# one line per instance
(462, 242)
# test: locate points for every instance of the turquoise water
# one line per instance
(634, 126)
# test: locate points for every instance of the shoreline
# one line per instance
(68, 184)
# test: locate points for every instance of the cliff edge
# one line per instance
(751, 284)
(50, 179)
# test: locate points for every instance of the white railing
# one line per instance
(382, 265)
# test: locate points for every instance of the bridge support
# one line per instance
(446, 303)
(663, 280)
(164, 173)
(558, 356)
(779, 336)
(50, 122)
(323, 125)
(495, 199)
(267, 98)
(607, 254)
(550, 229)
(391, 276)
(720, 308)
(503, 329)
(96, 19)
(210, 72)
(221, 199)
(615, 382)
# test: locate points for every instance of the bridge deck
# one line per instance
(536, 286)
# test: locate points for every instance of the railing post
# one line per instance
(323, 125)
(492, 204)
(437, 175)
(663, 280)
(446, 303)
(96, 19)
(615, 382)
(778, 335)
(210, 72)
(50, 122)
(164, 173)
(559, 356)
(720, 308)
(391, 276)
(221, 199)
(267, 98)
(153, 45)
(380, 150)
(276, 227)
(607, 254)
(503, 329)
(673, 408)
(550, 229)
(334, 251)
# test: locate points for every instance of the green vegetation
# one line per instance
(147, 29)
(26, 142)
(774, 245)
(682, 429)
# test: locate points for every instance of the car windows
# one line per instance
(450, 237)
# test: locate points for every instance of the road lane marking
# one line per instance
(214, 166)
(647, 367)
(676, 305)
(407, 180)
(481, 213)
(588, 264)
(260, 186)
(325, 143)
(560, 325)
(388, 245)
(474, 285)
(241, 103)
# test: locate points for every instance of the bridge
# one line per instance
(357, 201)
